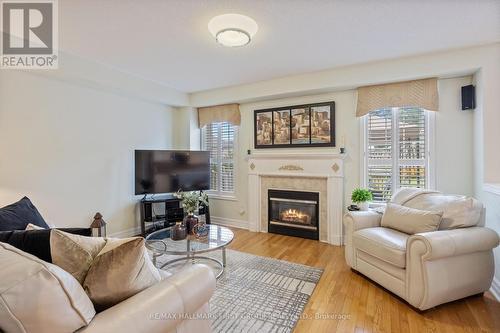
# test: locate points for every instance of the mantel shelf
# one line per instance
(296, 156)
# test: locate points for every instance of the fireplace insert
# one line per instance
(293, 213)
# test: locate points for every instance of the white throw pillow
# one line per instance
(36, 296)
(409, 220)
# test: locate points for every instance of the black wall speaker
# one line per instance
(468, 97)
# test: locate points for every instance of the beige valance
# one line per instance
(419, 93)
(219, 113)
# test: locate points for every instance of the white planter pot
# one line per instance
(364, 205)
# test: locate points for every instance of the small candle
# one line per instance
(342, 141)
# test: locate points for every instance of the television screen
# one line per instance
(167, 171)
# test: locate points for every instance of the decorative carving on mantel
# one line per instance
(291, 167)
(252, 166)
(335, 167)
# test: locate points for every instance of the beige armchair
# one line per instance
(425, 269)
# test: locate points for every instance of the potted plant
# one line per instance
(361, 198)
(190, 202)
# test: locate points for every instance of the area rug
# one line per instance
(258, 294)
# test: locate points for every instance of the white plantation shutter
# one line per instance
(412, 147)
(396, 150)
(380, 154)
(218, 138)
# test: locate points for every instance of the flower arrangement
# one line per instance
(191, 200)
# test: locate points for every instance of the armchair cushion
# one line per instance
(410, 220)
(384, 243)
(458, 211)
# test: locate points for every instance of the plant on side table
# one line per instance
(191, 202)
(362, 197)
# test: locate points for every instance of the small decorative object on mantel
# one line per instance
(361, 197)
(191, 202)
(342, 144)
(309, 125)
(98, 226)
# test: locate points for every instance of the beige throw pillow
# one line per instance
(74, 253)
(122, 269)
(409, 220)
(38, 297)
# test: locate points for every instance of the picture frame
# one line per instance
(307, 125)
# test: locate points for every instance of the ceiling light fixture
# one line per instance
(233, 30)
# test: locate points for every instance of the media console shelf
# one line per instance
(162, 211)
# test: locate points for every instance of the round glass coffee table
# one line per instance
(190, 248)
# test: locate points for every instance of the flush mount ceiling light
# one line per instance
(232, 30)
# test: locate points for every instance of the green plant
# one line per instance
(361, 195)
(191, 200)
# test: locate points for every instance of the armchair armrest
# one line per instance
(354, 221)
(362, 220)
(448, 243)
(445, 265)
(160, 308)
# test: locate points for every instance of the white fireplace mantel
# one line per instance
(329, 166)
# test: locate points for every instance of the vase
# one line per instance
(189, 222)
(178, 232)
(364, 205)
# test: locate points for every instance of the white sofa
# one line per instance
(425, 269)
(36, 296)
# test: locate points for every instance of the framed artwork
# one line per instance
(309, 125)
(281, 129)
(264, 129)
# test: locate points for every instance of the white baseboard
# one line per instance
(495, 288)
(126, 233)
(241, 224)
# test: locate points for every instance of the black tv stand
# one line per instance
(170, 211)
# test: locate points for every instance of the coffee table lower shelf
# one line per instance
(193, 258)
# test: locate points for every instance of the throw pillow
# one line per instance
(36, 242)
(36, 296)
(18, 215)
(31, 226)
(74, 253)
(122, 269)
(409, 220)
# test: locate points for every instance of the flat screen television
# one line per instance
(167, 171)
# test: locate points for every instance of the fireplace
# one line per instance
(293, 213)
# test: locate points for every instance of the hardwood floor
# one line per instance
(359, 304)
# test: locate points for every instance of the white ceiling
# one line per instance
(167, 41)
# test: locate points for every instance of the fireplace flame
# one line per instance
(293, 213)
(295, 216)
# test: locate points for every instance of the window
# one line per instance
(219, 139)
(397, 152)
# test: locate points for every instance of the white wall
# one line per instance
(70, 148)
(453, 143)
(454, 139)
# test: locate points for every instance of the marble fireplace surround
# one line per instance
(321, 173)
